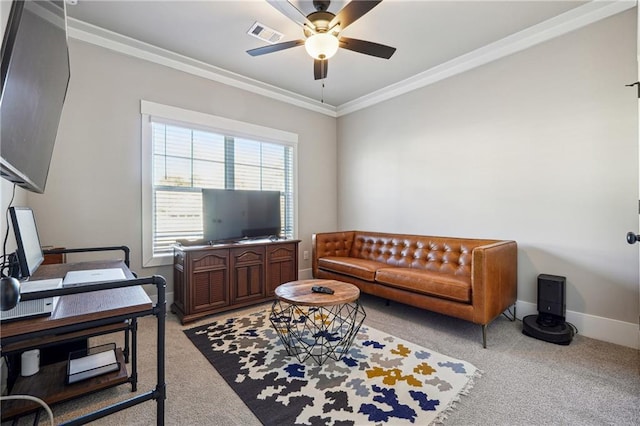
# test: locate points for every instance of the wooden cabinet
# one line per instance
(281, 266)
(211, 279)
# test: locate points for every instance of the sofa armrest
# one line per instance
(330, 244)
(494, 279)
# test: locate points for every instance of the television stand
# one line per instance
(209, 279)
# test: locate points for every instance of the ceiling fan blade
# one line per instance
(320, 67)
(353, 11)
(274, 47)
(291, 12)
(367, 47)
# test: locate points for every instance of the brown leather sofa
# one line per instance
(471, 279)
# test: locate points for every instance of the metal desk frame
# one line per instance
(159, 311)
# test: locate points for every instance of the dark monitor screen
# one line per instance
(234, 214)
(29, 251)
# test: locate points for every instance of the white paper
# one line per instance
(93, 276)
(40, 285)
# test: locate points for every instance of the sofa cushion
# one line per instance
(453, 287)
(359, 268)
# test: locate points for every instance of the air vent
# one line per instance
(264, 33)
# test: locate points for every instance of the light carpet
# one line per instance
(381, 380)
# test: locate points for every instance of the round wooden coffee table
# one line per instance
(317, 325)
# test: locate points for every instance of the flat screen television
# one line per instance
(35, 75)
(231, 215)
(29, 251)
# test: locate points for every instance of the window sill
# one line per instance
(161, 260)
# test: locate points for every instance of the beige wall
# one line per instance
(540, 147)
(20, 199)
(93, 194)
(5, 8)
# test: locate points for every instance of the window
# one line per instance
(185, 151)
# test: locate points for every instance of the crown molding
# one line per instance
(571, 20)
(95, 35)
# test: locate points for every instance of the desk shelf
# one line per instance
(82, 312)
(52, 340)
(49, 385)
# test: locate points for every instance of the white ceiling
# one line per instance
(430, 37)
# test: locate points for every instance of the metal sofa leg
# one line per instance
(484, 336)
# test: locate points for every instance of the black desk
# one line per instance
(82, 312)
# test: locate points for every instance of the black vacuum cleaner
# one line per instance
(550, 324)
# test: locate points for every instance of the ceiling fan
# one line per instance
(322, 32)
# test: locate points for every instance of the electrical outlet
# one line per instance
(305, 255)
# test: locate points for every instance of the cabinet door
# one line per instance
(209, 280)
(247, 281)
(282, 265)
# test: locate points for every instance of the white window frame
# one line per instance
(187, 118)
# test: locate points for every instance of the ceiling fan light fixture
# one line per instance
(321, 45)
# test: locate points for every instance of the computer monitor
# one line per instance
(29, 251)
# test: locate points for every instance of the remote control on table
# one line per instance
(320, 289)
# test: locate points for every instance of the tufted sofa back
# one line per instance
(334, 244)
(437, 254)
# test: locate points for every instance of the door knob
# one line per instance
(632, 238)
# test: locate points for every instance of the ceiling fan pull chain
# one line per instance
(322, 92)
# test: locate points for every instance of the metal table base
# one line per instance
(317, 332)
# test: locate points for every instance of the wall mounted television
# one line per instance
(230, 215)
(35, 76)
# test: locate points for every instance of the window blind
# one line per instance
(185, 160)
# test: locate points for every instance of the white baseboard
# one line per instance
(605, 329)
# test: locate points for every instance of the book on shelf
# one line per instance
(91, 362)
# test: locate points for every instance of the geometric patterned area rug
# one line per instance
(381, 380)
